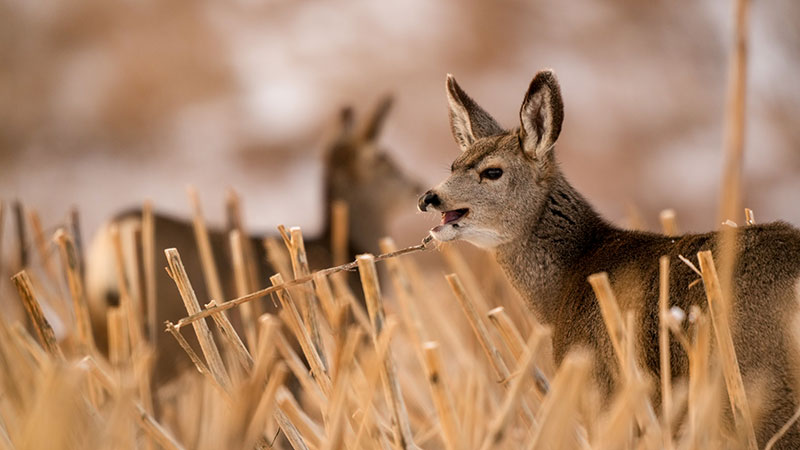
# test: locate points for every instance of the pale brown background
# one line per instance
(104, 104)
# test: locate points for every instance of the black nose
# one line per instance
(429, 198)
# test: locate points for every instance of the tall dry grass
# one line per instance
(433, 362)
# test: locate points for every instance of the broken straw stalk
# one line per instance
(43, 329)
(207, 344)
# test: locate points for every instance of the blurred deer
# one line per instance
(507, 193)
(356, 171)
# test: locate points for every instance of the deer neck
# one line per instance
(363, 231)
(364, 226)
(539, 262)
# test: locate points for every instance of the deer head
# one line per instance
(361, 173)
(498, 184)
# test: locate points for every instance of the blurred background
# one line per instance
(104, 104)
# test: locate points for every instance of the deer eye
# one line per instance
(491, 173)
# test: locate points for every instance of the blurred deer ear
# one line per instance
(468, 121)
(541, 116)
(346, 121)
(376, 120)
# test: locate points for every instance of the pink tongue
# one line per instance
(451, 216)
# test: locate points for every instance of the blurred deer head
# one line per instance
(359, 172)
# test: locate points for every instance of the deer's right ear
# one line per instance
(468, 121)
(375, 122)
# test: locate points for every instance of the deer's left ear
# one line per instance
(540, 116)
(346, 122)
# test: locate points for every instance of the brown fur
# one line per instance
(356, 171)
(549, 240)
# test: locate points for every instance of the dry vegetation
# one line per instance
(420, 368)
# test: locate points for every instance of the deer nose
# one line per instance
(429, 198)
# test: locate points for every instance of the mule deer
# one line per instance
(507, 193)
(356, 172)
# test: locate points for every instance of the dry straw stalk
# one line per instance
(248, 313)
(204, 246)
(557, 414)
(516, 345)
(498, 426)
(149, 265)
(487, 344)
(233, 207)
(405, 296)
(339, 231)
(611, 315)
(207, 344)
(234, 341)
(308, 305)
(22, 238)
(372, 294)
(491, 351)
(720, 318)
(442, 397)
(44, 331)
(303, 336)
(669, 223)
(130, 307)
(41, 243)
(70, 262)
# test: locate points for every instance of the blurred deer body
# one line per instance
(356, 172)
(506, 192)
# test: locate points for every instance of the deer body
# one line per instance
(507, 193)
(355, 172)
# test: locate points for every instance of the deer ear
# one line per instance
(346, 121)
(468, 121)
(541, 115)
(376, 120)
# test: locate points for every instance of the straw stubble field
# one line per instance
(423, 361)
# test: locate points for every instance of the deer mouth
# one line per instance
(451, 217)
